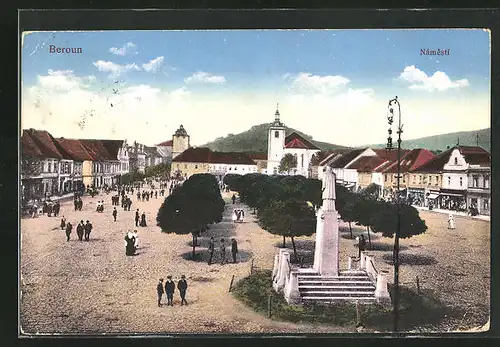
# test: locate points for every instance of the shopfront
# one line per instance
(417, 196)
(451, 199)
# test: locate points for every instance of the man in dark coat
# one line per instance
(233, 198)
(137, 217)
(88, 230)
(79, 231)
(169, 290)
(69, 228)
(159, 290)
(361, 245)
(222, 251)
(211, 247)
(234, 249)
(182, 286)
(114, 213)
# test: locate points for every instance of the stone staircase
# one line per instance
(349, 285)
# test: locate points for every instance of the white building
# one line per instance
(279, 145)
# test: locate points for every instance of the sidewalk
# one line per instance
(455, 213)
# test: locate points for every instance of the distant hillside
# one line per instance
(440, 142)
(255, 140)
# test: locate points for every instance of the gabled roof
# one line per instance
(168, 143)
(390, 154)
(294, 140)
(326, 157)
(475, 155)
(45, 143)
(113, 147)
(411, 160)
(437, 163)
(205, 155)
(366, 164)
(29, 147)
(151, 151)
(75, 149)
(97, 150)
(346, 158)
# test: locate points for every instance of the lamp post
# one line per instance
(392, 103)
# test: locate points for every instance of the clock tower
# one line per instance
(275, 143)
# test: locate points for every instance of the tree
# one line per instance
(289, 218)
(364, 210)
(346, 205)
(232, 181)
(162, 170)
(192, 207)
(371, 192)
(287, 163)
(312, 191)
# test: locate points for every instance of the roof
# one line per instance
(181, 132)
(326, 157)
(475, 155)
(294, 140)
(346, 158)
(168, 143)
(205, 155)
(29, 147)
(390, 154)
(44, 142)
(113, 147)
(152, 151)
(367, 164)
(258, 156)
(97, 150)
(75, 149)
(412, 160)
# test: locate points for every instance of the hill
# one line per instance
(440, 142)
(255, 140)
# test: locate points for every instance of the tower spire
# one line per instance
(277, 113)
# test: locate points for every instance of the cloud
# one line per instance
(129, 47)
(153, 65)
(115, 69)
(308, 83)
(62, 80)
(205, 77)
(438, 81)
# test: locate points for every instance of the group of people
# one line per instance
(100, 206)
(169, 289)
(238, 215)
(211, 250)
(78, 203)
(131, 243)
(147, 194)
(142, 219)
(82, 230)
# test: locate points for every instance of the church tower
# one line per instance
(275, 144)
(180, 141)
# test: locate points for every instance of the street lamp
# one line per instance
(390, 118)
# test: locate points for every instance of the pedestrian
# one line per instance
(156, 194)
(361, 245)
(63, 222)
(211, 247)
(451, 222)
(143, 220)
(222, 251)
(136, 237)
(79, 231)
(69, 228)
(138, 196)
(182, 286)
(88, 230)
(169, 290)
(114, 213)
(233, 198)
(129, 244)
(234, 249)
(137, 217)
(159, 290)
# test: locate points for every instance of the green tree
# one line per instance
(346, 206)
(233, 181)
(160, 170)
(364, 210)
(192, 207)
(289, 218)
(287, 163)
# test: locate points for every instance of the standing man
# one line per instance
(159, 290)
(88, 230)
(222, 251)
(169, 290)
(114, 213)
(361, 245)
(182, 286)
(137, 217)
(79, 231)
(211, 247)
(234, 249)
(69, 228)
(233, 198)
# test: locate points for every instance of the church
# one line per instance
(279, 144)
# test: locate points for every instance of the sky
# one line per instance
(334, 85)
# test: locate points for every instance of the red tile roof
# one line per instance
(294, 140)
(205, 155)
(367, 164)
(346, 158)
(45, 143)
(97, 150)
(75, 149)
(168, 143)
(29, 147)
(473, 155)
(258, 156)
(112, 147)
(411, 160)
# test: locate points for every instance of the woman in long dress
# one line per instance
(129, 244)
(143, 220)
(451, 222)
(235, 216)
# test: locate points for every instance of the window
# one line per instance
(486, 205)
(461, 181)
(235, 169)
(385, 178)
(420, 179)
(456, 161)
(276, 134)
(486, 182)
(302, 160)
(50, 167)
(449, 180)
(230, 169)
(404, 178)
(429, 182)
(196, 166)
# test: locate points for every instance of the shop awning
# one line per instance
(433, 196)
(452, 194)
